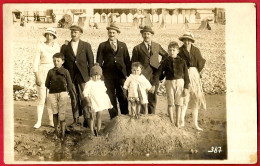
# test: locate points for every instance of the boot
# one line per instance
(39, 115)
(195, 114)
(50, 117)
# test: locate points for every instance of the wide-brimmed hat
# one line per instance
(52, 31)
(187, 35)
(147, 29)
(96, 70)
(114, 27)
(76, 28)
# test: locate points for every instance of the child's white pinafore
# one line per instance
(131, 84)
(96, 91)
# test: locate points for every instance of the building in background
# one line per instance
(126, 15)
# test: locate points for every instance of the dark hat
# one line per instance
(96, 70)
(114, 27)
(76, 28)
(147, 29)
(187, 35)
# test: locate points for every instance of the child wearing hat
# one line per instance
(97, 97)
(58, 82)
(177, 80)
(137, 86)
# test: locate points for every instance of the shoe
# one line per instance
(37, 125)
(85, 123)
(95, 132)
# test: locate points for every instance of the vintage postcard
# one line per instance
(130, 83)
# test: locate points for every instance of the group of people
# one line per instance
(133, 82)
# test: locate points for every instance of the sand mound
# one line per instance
(153, 134)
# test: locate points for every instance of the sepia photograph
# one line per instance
(139, 83)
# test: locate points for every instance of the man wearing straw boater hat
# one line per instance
(148, 53)
(114, 59)
(78, 61)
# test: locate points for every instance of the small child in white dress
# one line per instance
(97, 97)
(137, 86)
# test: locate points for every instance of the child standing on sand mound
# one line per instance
(137, 86)
(177, 80)
(97, 98)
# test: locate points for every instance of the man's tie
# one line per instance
(114, 45)
(149, 47)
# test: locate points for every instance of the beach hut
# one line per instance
(16, 15)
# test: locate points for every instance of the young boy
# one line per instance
(58, 82)
(177, 80)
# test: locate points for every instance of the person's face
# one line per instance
(136, 70)
(75, 35)
(49, 37)
(147, 36)
(57, 62)
(112, 34)
(187, 42)
(173, 51)
(96, 77)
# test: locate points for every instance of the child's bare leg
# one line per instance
(170, 112)
(98, 121)
(178, 110)
(138, 108)
(133, 108)
(50, 116)
(195, 114)
(145, 109)
(55, 121)
(183, 113)
(63, 127)
(130, 110)
(91, 124)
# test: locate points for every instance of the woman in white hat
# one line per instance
(42, 63)
(195, 63)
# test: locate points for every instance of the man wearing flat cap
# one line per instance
(114, 59)
(78, 61)
(148, 53)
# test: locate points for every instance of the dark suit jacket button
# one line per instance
(75, 61)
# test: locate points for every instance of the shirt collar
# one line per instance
(55, 68)
(74, 42)
(113, 41)
(146, 43)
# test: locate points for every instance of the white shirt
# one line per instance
(146, 44)
(74, 46)
(44, 54)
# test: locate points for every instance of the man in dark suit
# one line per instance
(148, 53)
(78, 61)
(113, 57)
